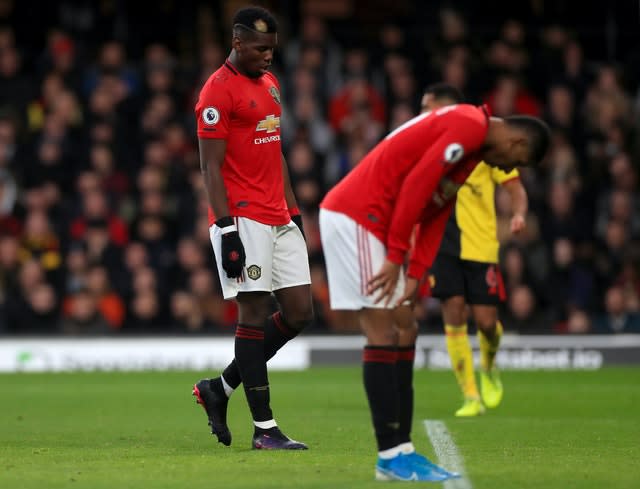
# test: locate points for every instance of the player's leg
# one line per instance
(282, 326)
(351, 256)
(379, 375)
(252, 291)
(291, 283)
(250, 365)
(291, 286)
(489, 333)
(407, 330)
(449, 285)
(295, 304)
(461, 355)
(389, 404)
(277, 332)
(485, 293)
(253, 309)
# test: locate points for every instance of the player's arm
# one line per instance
(290, 197)
(428, 241)
(460, 138)
(519, 204)
(415, 193)
(212, 153)
(420, 184)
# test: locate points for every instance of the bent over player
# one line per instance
(255, 226)
(409, 179)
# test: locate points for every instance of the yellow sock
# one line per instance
(489, 348)
(461, 357)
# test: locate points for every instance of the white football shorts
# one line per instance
(276, 258)
(353, 256)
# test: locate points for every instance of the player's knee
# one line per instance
(383, 337)
(407, 327)
(486, 325)
(300, 317)
(453, 310)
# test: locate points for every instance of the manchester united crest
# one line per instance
(254, 272)
(275, 94)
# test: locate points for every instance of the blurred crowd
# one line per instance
(103, 224)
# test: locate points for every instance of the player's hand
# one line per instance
(518, 224)
(385, 282)
(410, 291)
(298, 220)
(233, 255)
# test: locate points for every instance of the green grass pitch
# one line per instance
(554, 430)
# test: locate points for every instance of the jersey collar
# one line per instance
(230, 67)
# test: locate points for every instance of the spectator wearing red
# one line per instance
(96, 207)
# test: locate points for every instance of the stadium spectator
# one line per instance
(186, 313)
(617, 319)
(109, 304)
(522, 313)
(91, 102)
(82, 316)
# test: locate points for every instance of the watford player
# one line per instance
(466, 270)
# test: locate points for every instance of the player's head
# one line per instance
(438, 95)
(254, 39)
(517, 140)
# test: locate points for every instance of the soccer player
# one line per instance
(255, 226)
(466, 271)
(409, 179)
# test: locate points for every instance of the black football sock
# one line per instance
(249, 350)
(276, 334)
(404, 372)
(380, 382)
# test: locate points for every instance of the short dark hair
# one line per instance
(444, 90)
(255, 19)
(537, 132)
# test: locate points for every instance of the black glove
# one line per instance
(233, 256)
(298, 220)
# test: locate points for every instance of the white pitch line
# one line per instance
(447, 453)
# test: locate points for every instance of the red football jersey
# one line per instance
(246, 113)
(411, 177)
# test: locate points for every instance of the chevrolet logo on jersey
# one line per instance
(270, 124)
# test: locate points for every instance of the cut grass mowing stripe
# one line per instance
(447, 453)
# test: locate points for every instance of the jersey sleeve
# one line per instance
(427, 243)
(500, 176)
(213, 111)
(461, 137)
